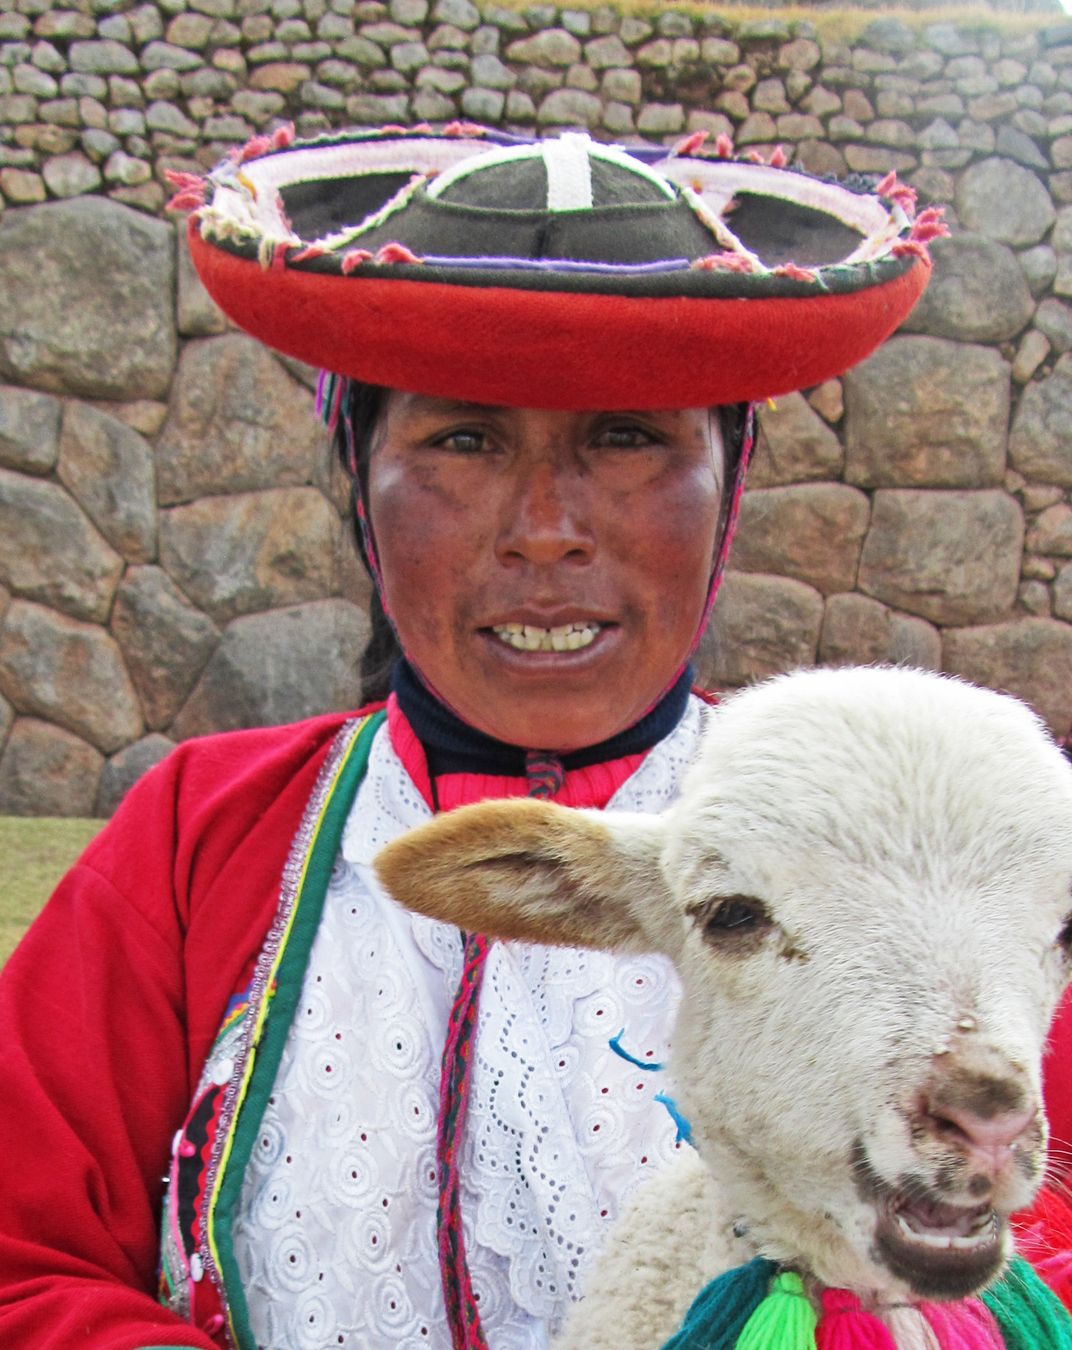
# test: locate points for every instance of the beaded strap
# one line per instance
(546, 776)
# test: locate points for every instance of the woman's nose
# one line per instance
(545, 518)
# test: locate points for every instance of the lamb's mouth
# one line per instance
(942, 1251)
(939, 1250)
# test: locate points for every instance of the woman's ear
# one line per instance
(535, 872)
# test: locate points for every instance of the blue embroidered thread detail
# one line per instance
(684, 1129)
(615, 1044)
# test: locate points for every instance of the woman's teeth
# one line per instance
(568, 637)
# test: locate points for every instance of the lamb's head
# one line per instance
(865, 887)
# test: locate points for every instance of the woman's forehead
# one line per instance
(400, 404)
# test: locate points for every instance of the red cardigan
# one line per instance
(108, 1009)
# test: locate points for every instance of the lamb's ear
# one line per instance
(536, 872)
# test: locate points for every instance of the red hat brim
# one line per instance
(568, 349)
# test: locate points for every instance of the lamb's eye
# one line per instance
(732, 920)
(1064, 937)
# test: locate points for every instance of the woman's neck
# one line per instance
(452, 746)
(452, 763)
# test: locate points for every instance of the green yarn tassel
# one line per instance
(1029, 1315)
(784, 1319)
(721, 1310)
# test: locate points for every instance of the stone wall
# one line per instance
(105, 95)
(173, 554)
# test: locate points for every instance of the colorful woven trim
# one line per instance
(273, 999)
(462, 1302)
(760, 1305)
(463, 1312)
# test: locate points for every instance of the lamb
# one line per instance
(865, 888)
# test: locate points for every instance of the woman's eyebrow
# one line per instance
(423, 403)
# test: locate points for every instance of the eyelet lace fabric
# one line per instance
(335, 1231)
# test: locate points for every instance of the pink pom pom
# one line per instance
(724, 146)
(797, 273)
(253, 149)
(395, 253)
(724, 262)
(354, 258)
(690, 144)
(904, 247)
(929, 224)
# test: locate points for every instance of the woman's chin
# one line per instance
(560, 700)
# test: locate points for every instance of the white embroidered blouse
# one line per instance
(335, 1235)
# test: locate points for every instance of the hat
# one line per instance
(557, 273)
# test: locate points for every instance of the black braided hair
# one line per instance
(359, 416)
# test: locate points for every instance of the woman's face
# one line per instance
(546, 571)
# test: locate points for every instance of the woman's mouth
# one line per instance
(566, 637)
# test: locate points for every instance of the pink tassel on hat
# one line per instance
(846, 1325)
(690, 144)
(892, 188)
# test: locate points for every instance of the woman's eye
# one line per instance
(625, 438)
(464, 442)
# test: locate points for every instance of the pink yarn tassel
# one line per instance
(966, 1325)
(845, 1325)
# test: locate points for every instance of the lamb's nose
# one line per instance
(989, 1138)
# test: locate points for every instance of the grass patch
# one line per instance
(844, 24)
(34, 854)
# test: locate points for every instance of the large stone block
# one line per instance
(165, 641)
(29, 430)
(977, 292)
(926, 411)
(87, 287)
(1052, 531)
(914, 642)
(108, 469)
(254, 551)
(1062, 593)
(1031, 658)
(50, 552)
(794, 445)
(237, 423)
(279, 667)
(813, 532)
(45, 771)
(761, 625)
(860, 631)
(553, 47)
(123, 770)
(1040, 446)
(67, 672)
(950, 557)
(1002, 199)
(198, 314)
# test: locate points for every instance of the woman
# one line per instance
(375, 1131)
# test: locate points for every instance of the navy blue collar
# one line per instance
(452, 746)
